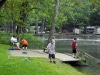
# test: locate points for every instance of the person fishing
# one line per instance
(74, 48)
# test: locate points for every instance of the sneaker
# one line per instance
(50, 61)
(54, 62)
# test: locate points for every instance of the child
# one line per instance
(51, 51)
(24, 43)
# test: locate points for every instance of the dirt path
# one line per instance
(30, 53)
(40, 53)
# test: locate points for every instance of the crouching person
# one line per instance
(24, 43)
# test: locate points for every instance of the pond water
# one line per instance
(90, 70)
(90, 46)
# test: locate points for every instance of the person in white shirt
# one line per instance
(14, 41)
(51, 51)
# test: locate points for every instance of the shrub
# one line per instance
(34, 42)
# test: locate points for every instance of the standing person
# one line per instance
(53, 40)
(14, 41)
(24, 43)
(51, 51)
(74, 47)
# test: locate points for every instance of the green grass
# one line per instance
(33, 66)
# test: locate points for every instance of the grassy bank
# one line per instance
(34, 66)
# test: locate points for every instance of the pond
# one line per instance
(88, 43)
(90, 46)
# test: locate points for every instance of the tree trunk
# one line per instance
(18, 30)
(23, 18)
(42, 27)
(36, 28)
(52, 31)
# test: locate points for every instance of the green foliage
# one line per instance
(34, 42)
(77, 12)
(95, 16)
(4, 38)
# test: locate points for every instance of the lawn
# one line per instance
(32, 66)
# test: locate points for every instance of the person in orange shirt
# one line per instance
(24, 43)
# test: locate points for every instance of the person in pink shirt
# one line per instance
(74, 47)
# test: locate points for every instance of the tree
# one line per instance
(95, 16)
(25, 12)
(54, 20)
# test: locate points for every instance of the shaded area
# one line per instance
(76, 63)
(2, 2)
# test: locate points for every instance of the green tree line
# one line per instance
(52, 14)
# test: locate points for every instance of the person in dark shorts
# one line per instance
(24, 43)
(51, 51)
(74, 47)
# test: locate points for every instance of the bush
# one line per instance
(34, 42)
(4, 38)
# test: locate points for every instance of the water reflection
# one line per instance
(90, 46)
(88, 43)
(90, 70)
